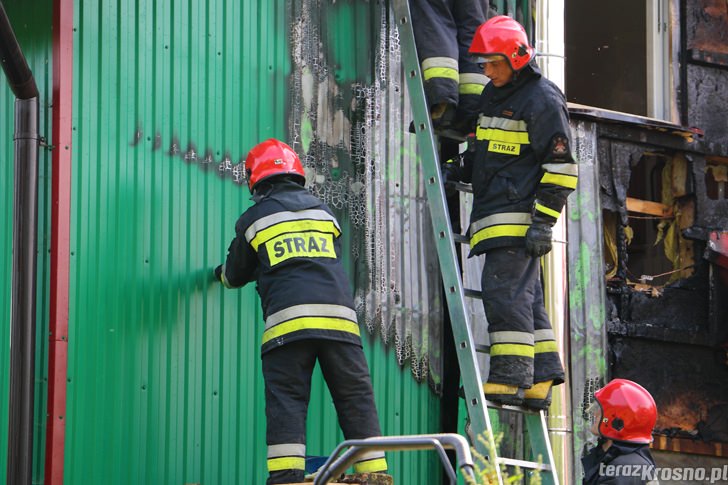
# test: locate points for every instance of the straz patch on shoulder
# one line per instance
(300, 245)
(503, 147)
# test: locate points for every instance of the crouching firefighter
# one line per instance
(288, 242)
(623, 416)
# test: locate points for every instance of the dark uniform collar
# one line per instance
(268, 189)
(596, 456)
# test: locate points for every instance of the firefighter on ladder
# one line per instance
(453, 82)
(522, 171)
(288, 242)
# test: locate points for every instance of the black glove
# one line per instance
(218, 274)
(538, 239)
(450, 173)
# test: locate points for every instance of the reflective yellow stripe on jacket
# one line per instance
(310, 317)
(507, 224)
(547, 210)
(568, 181)
(503, 135)
(274, 225)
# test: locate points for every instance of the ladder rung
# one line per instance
(451, 134)
(482, 349)
(531, 465)
(460, 238)
(515, 409)
(472, 293)
(462, 187)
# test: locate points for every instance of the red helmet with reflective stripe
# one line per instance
(628, 412)
(269, 158)
(503, 35)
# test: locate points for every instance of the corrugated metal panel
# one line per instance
(31, 21)
(587, 292)
(164, 373)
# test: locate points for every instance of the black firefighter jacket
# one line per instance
(521, 165)
(621, 464)
(289, 242)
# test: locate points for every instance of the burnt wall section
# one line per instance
(706, 71)
(711, 213)
(587, 369)
(665, 311)
(707, 102)
(348, 121)
(707, 26)
(675, 374)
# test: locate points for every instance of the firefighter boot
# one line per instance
(509, 394)
(539, 395)
(368, 479)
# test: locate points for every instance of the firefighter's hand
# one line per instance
(450, 173)
(450, 170)
(217, 272)
(538, 239)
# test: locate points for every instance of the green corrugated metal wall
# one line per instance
(164, 374)
(31, 21)
(164, 378)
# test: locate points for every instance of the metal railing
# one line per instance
(337, 465)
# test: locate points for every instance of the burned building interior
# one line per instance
(665, 214)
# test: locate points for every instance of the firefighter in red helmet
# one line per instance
(623, 416)
(522, 170)
(289, 243)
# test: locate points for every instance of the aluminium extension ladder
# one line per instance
(477, 406)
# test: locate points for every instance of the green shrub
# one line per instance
(485, 470)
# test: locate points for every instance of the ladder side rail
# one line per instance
(538, 435)
(449, 266)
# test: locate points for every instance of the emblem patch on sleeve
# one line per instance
(560, 145)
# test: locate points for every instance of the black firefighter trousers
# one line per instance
(287, 372)
(443, 33)
(522, 344)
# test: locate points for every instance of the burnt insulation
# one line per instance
(348, 122)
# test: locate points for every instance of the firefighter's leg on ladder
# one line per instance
(437, 49)
(507, 285)
(547, 368)
(287, 372)
(468, 15)
(346, 372)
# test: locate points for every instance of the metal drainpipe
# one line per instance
(25, 217)
(550, 45)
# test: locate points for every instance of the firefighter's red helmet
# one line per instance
(269, 158)
(504, 36)
(628, 412)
